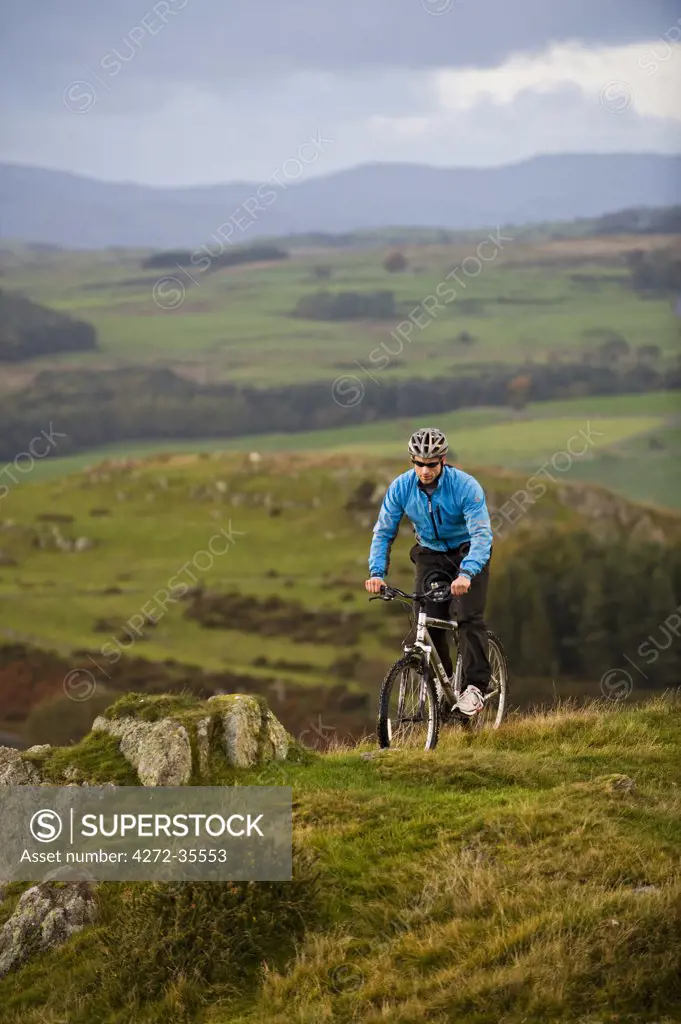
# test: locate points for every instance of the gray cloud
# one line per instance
(215, 41)
(182, 91)
(196, 139)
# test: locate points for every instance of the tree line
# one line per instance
(205, 259)
(569, 605)
(94, 408)
(28, 329)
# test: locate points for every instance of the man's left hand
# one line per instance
(460, 585)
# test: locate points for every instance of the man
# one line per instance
(449, 515)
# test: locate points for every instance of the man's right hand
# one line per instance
(374, 584)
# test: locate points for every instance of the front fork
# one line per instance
(428, 655)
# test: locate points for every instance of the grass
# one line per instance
(619, 456)
(236, 324)
(536, 300)
(642, 467)
(525, 876)
(164, 513)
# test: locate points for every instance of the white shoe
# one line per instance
(471, 701)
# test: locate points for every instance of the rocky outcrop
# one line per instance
(606, 512)
(46, 916)
(159, 752)
(250, 732)
(15, 771)
(178, 745)
(168, 741)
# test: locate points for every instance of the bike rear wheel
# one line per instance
(497, 696)
(408, 712)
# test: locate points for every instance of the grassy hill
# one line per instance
(98, 568)
(527, 876)
(636, 447)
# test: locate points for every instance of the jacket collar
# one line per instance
(439, 480)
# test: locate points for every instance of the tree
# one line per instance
(648, 353)
(347, 305)
(614, 348)
(28, 329)
(395, 262)
(654, 273)
(518, 390)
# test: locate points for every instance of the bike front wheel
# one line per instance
(408, 712)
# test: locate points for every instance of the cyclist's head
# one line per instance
(428, 448)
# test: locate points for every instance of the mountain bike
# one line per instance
(417, 696)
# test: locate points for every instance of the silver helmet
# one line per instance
(428, 443)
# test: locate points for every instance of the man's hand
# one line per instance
(374, 584)
(460, 585)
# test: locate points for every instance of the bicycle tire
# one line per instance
(384, 727)
(498, 660)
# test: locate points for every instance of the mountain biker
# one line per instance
(449, 516)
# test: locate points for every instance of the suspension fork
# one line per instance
(430, 656)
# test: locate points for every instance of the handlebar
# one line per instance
(441, 593)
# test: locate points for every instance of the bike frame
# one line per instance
(428, 655)
(424, 643)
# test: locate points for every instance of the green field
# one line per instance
(533, 301)
(295, 537)
(621, 458)
(538, 300)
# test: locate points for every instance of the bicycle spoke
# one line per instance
(410, 715)
(495, 698)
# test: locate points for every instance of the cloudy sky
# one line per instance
(180, 92)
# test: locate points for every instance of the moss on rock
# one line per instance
(181, 740)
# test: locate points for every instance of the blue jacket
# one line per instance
(456, 513)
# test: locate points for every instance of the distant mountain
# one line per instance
(38, 205)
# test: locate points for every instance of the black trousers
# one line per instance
(468, 610)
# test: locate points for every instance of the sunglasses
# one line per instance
(425, 465)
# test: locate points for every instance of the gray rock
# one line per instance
(83, 544)
(205, 731)
(241, 723)
(621, 783)
(46, 917)
(248, 738)
(275, 746)
(159, 752)
(15, 771)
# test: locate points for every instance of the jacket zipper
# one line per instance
(432, 517)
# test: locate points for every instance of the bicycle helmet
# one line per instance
(428, 443)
